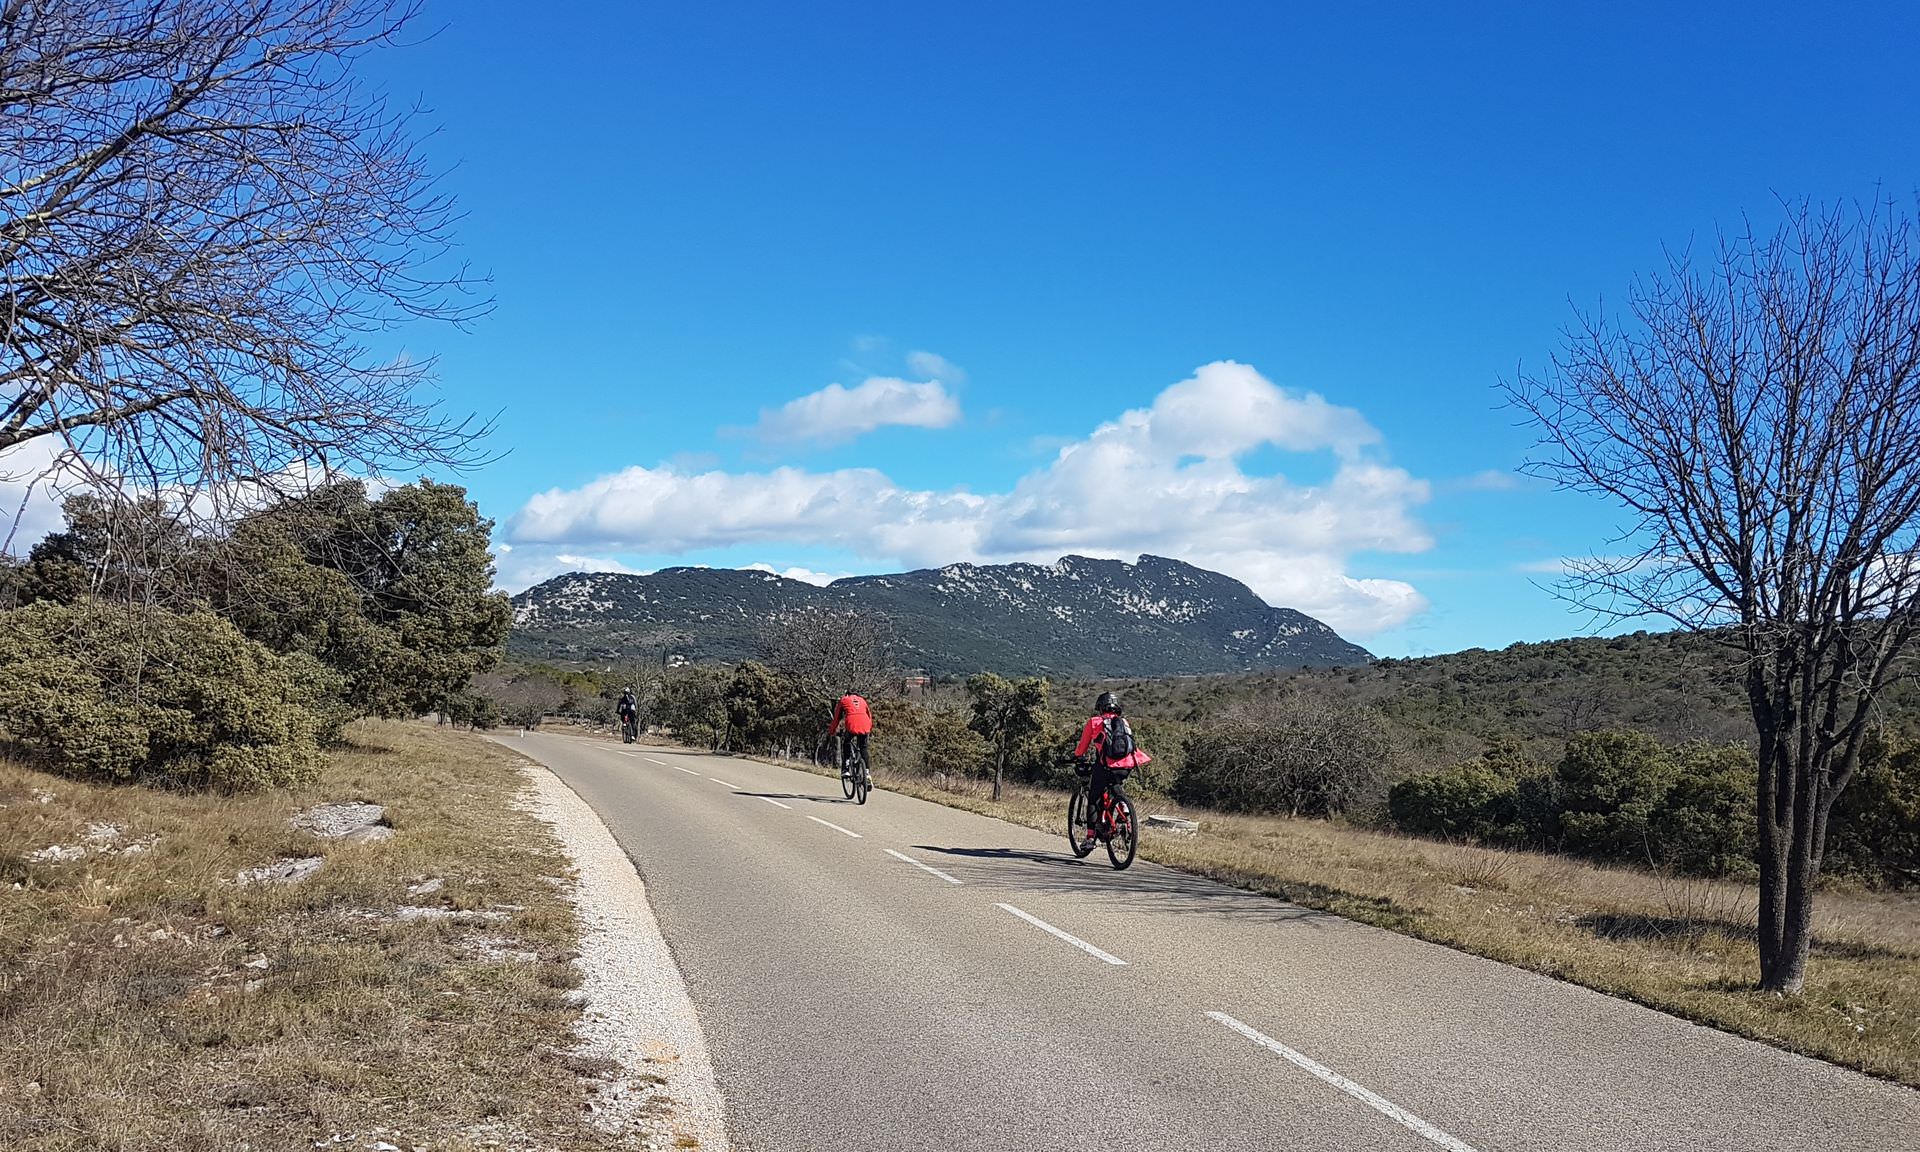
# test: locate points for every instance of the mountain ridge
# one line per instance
(1077, 616)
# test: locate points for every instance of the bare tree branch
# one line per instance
(209, 232)
(1760, 421)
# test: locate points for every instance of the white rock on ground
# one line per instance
(640, 1014)
(56, 854)
(288, 871)
(345, 820)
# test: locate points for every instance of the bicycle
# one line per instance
(1118, 824)
(629, 728)
(856, 776)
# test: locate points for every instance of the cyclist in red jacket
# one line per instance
(1093, 745)
(852, 723)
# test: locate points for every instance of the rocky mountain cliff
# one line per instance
(1077, 617)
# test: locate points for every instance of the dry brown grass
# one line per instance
(127, 1020)
(1685, 946)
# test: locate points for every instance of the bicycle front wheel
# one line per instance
(1126, 834)
(846, 778)
(1077, 823)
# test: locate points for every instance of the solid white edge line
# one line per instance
(722, 783)
(1067, 936)
(677, 768)
(1371, 1099)
(774, 802)
(922, 867)
(835, 827)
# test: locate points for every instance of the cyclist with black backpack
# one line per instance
(1107, 741)
(628, 710)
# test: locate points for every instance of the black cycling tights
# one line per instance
(850, 740)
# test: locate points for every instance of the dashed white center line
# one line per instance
(662, 763)
(1067, 936)
(835, 827)
(774, 802)
(922, 867)
(676, 767)
(1371, 1099)
(723, 783)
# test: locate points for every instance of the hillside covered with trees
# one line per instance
(1630, 749)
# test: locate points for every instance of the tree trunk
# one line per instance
(1791, 852)
(1771, 852)
(999, 762)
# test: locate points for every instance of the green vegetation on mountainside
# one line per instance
(1074, 618)
(1676, 686)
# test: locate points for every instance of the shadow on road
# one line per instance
(1144, 887)
(794, 796)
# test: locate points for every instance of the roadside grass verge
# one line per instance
(149, 1001)
(1684, 946)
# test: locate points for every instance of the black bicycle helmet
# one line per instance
(1107, 702)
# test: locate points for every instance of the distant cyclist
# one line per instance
(628, 710)
(852, 723)
(1106, 732)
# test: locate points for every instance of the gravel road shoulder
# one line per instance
(638, 1013)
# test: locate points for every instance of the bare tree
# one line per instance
(522, 699)
(205, 222)
(1759, 418)
(828, 651)
(1581, 708)
(1289, 751)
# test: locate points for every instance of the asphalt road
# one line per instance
(905, 976)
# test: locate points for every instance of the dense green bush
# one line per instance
(394, 593)
(1607, 787)
(1875, 828)
(949, 745)
(126, 693)
(900, 746)
(1615, 796)
(1503, 796)
(1469, 801)
(769, 712)
(1703, 823)
(693, 704)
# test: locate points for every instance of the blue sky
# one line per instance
(1026, 225)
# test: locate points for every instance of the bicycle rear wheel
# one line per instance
(846, 776)
(1126, 834)
(862, 781)
(1077, 823)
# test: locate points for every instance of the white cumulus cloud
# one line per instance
(38, 476)
(804, 575)
(1165, 479)
(34, 478)
(517, 568)
(836, 413)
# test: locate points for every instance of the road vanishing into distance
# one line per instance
(905, 976)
